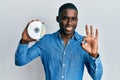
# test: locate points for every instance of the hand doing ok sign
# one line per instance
(90, 41)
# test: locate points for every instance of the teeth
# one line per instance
(68, 28)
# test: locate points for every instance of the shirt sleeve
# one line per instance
(25, 54)
(94, 67)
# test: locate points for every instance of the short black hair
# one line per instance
(66, 6)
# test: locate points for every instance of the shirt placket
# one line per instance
(63, 66)
(62, 76)
(64, 61)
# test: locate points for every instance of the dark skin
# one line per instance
(68, 21)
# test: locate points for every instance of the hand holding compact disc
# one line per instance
(34, 31)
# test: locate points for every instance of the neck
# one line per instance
(66, 38)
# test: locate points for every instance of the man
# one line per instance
(64, 52)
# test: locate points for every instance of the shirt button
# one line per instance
(64, 53)
(62, 77)
(96, 69)
(63, 65)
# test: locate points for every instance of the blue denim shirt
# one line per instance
(60, 62)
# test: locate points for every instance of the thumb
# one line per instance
(83, 43)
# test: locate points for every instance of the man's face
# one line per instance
(68, 21)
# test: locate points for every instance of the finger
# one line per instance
(43, 23)
(96, 34)
(91, 31)
(83, 40)
(87, 31)
(32, 39)
(37, 19)
(83, 43)
(30, 22)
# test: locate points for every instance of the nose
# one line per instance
(69, 21)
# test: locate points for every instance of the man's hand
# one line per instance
(25, 37)
(90, 42)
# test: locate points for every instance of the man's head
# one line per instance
(67, 18)
(67, 6)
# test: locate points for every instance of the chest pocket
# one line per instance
(75, 56)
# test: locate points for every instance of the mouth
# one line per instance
(69, 29)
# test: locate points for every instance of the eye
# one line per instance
(65, 18)
(74, 18)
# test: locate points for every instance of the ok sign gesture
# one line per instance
(90, 41)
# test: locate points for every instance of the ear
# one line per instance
(57, 19)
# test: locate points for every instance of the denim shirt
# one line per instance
(60, 62)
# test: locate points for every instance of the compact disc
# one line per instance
(36, 30)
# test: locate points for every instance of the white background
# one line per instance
(14, 15)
